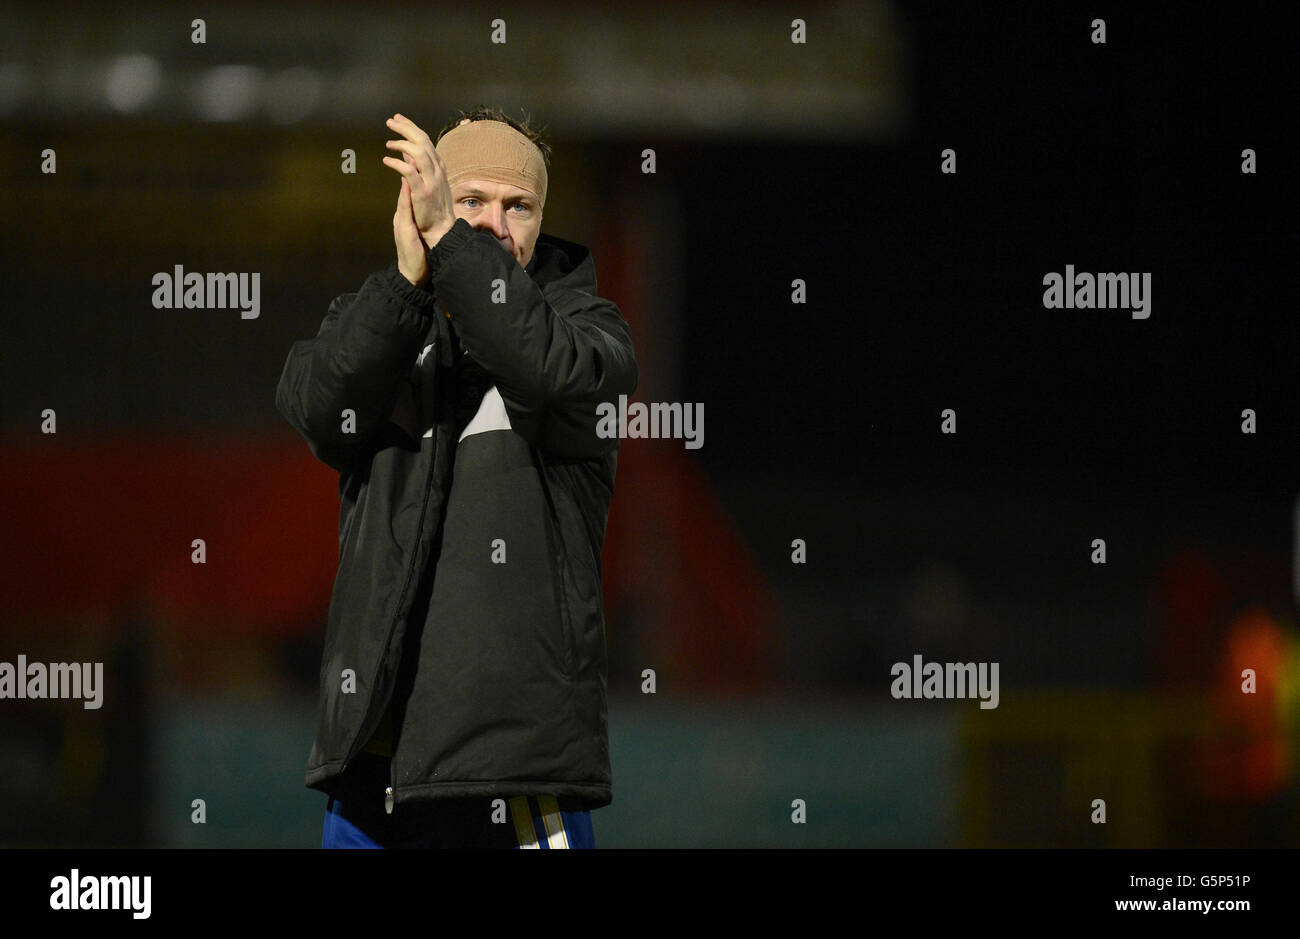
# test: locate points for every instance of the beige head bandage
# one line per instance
(496, 151)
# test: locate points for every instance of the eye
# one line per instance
(469, 199)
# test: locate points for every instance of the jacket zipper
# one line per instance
(433, 464)
(389, 799)
(424, 505)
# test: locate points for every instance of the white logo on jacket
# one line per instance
(491, 415)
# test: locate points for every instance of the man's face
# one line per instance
(512, 215)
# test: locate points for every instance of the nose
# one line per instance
(493, 219)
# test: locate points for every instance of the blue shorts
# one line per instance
(521, 822)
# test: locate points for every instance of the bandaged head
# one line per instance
(495, 151)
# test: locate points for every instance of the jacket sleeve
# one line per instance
(358, 360)
(555, 354)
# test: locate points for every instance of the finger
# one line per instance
(406, 169)
(419, 182)
(420, 159)
(404, 228)
(423, 158)
(439, 169)
(405, 146)
(409, 129)
(403, 203)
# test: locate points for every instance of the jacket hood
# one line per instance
(566, 262)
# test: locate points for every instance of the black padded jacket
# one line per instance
(474, 491)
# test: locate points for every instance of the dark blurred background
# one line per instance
(775, 161)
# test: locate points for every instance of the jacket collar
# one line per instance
(557, 260)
